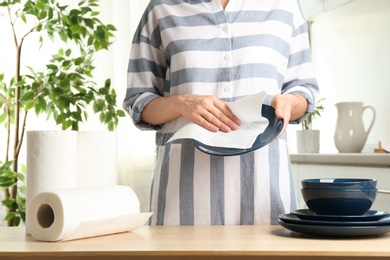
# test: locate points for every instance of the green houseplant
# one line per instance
(307, 124)
(308, 139)
(63, 90)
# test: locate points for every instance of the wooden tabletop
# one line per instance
(189, 242)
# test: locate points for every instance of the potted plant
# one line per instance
(308, 139)
(63, 90)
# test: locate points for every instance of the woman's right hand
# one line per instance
(206, 111)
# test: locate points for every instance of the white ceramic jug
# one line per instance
(350, 135)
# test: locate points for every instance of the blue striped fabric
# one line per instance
(195, 46)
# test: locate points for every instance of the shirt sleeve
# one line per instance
(147, 69)
(300, 75)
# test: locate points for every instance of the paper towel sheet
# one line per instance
(108, 226)
(68, 214)
(247, 109)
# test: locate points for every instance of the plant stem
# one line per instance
(17, 109)
(8, 124)
(22, 132)
(14, 189)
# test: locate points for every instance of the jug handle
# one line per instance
(373, 118)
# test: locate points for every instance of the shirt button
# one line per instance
(224, 28)
(227, 89)
(226, 58)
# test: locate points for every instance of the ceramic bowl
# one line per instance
(339, 201)
(339, 183)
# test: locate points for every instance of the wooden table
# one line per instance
(188, 242)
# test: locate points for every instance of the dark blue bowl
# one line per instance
(339, 201)
(339, 183)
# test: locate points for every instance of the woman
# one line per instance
(190, 57)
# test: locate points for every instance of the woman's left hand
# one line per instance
(289, 107)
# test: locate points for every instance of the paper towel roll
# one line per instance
(51, 162)
(97, 163)
(84, 212)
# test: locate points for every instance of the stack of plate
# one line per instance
(304, 221)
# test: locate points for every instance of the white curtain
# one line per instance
(136, 148)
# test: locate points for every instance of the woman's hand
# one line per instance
(289, 107)
(207, 111)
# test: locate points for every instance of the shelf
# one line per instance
(343, 159)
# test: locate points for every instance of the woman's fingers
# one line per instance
(219, 115)
(210, 113)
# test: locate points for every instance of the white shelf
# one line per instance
(344, 159)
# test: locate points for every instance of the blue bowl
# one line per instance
(339, 201)
(339, 183)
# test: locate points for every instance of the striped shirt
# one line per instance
(194, 46)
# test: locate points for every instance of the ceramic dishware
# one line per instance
(273, 129)
(370, 215)
(339, 201)
(336, 231)
(339, 183)
(294, 219)
(350, 135)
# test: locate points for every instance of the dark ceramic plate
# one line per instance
(336, 231)
(371, 215)
(293, 219)
(273, 129)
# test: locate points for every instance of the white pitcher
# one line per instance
(350, 135)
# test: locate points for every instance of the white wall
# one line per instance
(136, 148)
(352, 60)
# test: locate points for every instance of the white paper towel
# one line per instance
(51, 162)
(247, 109)
(69, 159)
(84, 212)
(97, 158)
